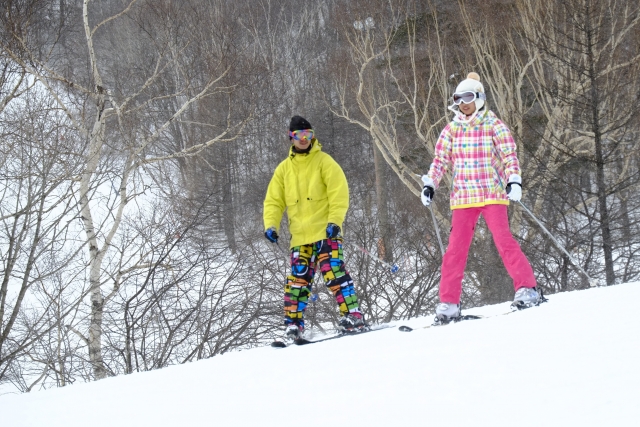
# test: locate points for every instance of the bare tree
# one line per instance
(36, 209)
(395, 68)
(117, 120)
(586, 57)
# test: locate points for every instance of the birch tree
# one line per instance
(118, 120)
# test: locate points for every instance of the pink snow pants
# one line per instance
(454, 261)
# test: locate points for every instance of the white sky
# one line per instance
(574, 361)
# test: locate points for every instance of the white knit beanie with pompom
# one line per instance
(470, 84)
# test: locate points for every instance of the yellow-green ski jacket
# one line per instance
(313, 189)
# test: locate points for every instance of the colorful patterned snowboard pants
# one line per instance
(304, 259)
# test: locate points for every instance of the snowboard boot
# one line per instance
(525, 298)
(447, 312)
(352, 323)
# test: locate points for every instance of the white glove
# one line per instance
(514, 188)
(427, 191)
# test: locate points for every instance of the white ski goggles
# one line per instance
(467, 97)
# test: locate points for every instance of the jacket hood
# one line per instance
(477, 117)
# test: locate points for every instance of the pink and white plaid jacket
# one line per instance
(481, 154)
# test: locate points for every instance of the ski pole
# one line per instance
(592, 282)
(392, 267)
(435, 225)
(285, 253)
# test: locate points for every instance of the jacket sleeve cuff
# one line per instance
(428, 181)
(514, 179)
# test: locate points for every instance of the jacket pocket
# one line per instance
(290, 200)
(295, 223)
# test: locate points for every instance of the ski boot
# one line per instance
(293, 332)
(447, 312)
(527, 297)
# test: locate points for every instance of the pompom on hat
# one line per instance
(470, 84)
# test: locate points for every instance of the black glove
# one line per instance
(272, 235)
(333, 230)
(427, 195)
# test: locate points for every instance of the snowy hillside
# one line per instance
(571, 362)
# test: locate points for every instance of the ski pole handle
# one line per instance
(435, 223)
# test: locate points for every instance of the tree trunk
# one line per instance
(385, 248)
(605, 225)
(228, 213)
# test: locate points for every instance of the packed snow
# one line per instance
(573, 361)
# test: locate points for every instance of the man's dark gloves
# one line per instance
(271, 234)
(333, 230)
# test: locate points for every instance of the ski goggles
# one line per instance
(467, 97)
(302, 134)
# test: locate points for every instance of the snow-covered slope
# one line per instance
(574, 361)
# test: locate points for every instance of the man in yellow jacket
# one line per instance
(313, 189)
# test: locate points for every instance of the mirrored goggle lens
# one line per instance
(302, 134)
(466, 97)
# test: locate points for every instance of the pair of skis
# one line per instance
(515, 306)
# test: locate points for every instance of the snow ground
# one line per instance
(565, 363)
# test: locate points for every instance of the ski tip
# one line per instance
(404, 328)
(278, 344)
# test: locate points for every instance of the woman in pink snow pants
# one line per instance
(478, 149)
